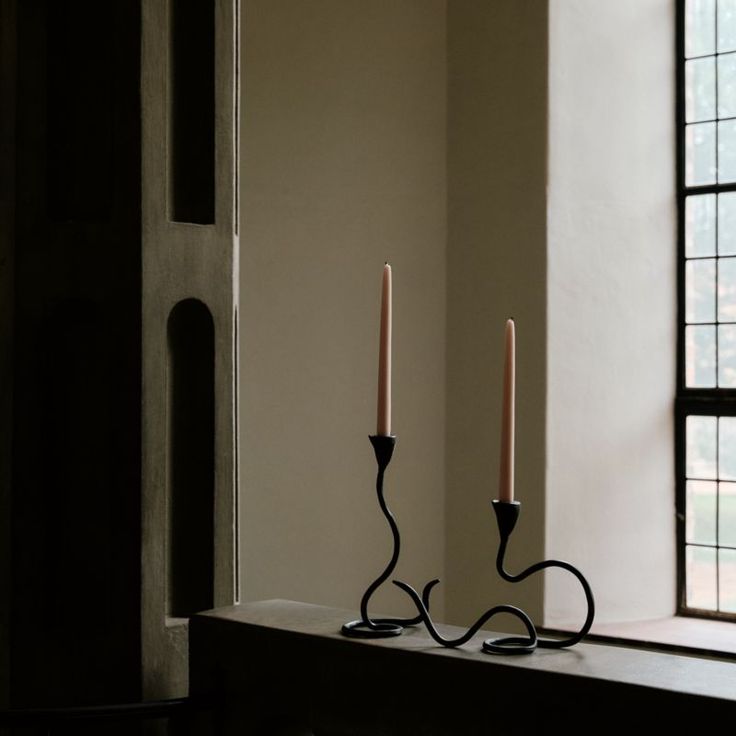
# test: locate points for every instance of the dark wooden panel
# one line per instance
(77, 333)
(81, 85)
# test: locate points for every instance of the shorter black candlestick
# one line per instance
(507, 514)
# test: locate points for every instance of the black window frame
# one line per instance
(712, 402)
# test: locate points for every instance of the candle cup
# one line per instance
(507, 514)
(377, 628)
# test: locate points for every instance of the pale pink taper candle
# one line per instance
(384, 358)
(506, 474)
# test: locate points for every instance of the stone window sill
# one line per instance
(283, 667)
(695, 636)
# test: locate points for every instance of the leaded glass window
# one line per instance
(706, 400)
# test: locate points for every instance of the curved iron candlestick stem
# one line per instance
(366, 627)
(507, 515)
(506, 645)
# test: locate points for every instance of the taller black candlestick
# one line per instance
(366, 627)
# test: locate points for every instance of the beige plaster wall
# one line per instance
(343, 143)
(496, 268)
(520, 154)
(611, 306)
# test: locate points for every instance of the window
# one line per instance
(706, 399)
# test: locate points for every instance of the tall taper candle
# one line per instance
(506, 475)
(384, 358)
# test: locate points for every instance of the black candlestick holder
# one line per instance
(507, 514)
(376, 628)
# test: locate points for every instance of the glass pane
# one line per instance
(700, 576)
(727, 514)
(727, 290)
(701, 447)
(727, 224)
(700, 89)
(700, 291)
(700, 27)
(700, 512)
(726, 25)
(700, 153)
(700, 357)
(727, 448)
(726, 86)
(727, 580)
(727, 151)
(700, 225)
(727, 356)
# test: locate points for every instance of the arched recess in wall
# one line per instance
(191, 458)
